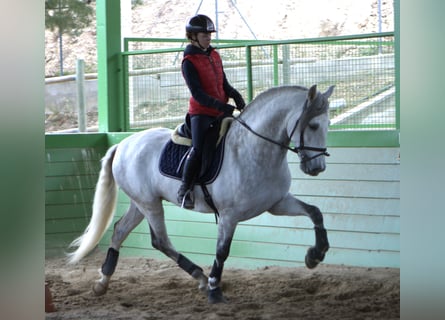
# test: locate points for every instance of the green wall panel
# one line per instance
(359, 155)
(359, 206)
(72, 164)
(352, 171)
(358, 194)
(70, 197)
(334, 188)
(68, 211)
(82, 167)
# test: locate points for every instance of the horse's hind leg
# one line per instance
(161, 242)
(291, 206)
(122, 229)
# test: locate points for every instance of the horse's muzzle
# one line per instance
(312, 170)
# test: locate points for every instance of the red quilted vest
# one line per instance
(211, 76)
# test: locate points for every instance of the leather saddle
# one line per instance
(175, 151)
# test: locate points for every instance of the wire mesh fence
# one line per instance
(362, 68)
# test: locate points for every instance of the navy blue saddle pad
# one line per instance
(172, 154)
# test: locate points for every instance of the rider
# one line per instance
(210, 91)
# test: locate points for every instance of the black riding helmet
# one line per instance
(200, 23)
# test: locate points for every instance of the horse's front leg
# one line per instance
(317, 253)
(291, 206)
(226, 229)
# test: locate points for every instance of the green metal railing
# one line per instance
(363, 68)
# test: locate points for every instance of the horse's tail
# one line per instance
(103, 210)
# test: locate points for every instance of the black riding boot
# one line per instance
(185, 192)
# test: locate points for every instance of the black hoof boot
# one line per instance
(313, 257)
(216, 296)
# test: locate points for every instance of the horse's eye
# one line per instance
(313, 126)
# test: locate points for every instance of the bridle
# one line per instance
(297, 150)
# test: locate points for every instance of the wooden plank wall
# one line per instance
(70, 178)
(358, 194)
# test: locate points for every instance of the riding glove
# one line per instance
(239, 101)
(227, 109)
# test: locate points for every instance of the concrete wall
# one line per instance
(61, 96)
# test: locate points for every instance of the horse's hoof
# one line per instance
(99, 289)
(202, 287)
(313, 258)
(310, 264)
(216, 296)
(202, 279)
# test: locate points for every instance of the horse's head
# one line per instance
(309, 135)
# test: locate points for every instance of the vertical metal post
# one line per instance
(397, 59)
(276, 76)
(81, 100)
(109, 45)
(249, 73)
(286, 64)
(60, 43)
(379, 9)
(60, 52)
(379, 13)
(216, 20)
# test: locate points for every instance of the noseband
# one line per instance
(297, 150)
(322, 151)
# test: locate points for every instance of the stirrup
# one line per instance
(188, 201)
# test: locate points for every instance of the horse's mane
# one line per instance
(308, 113)
(272, 91)
(312, 112)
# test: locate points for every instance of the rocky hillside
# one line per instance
(237, 19)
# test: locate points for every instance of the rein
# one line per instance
(322, 151)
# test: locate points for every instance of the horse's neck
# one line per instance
(270, 121)
(272, 117)
(248, 148)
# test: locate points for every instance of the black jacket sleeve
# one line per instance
(234, 94)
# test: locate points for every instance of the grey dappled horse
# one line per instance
(254, 178)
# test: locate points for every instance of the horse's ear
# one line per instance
(329, 92)
(312, 92)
